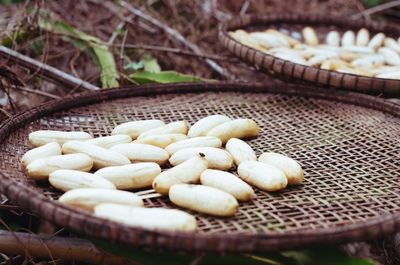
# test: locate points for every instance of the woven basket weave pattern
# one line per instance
(350, 155)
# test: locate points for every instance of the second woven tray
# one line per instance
(293, 72)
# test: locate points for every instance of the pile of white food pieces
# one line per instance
(131, 157)
(353, 53)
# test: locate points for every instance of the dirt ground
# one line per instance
(196, 20)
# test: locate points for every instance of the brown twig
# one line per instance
(69, 249)
(18, 259)
(244, 8)
(174, 50)
(45, 70)
(4, 88)
(212, 10)
(120, 26)
(9, 207)
(127, 19)
(38, 92)
(44, 56)
(122, 54)
(22, 248)
(263, 259)
(72, 62)
(376, 9)
(6, 113)
(197, 260)
(168, 30)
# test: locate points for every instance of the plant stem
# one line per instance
(69, 249)
(45, 70)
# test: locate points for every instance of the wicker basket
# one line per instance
(293, 72)
(347, 143)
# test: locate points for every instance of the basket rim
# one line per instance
(236, 242)
(285, 69)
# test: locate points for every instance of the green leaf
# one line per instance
(37, 46)
(10, 2)
(148, 64)
(141, 256)
(134, 65)
(17, 37)
(151, 65)
(144, 77)
(316, 256)
(371, 3)
(96, 49)
(108, 68)
(326, 256)
(144, 257)
(237, 260)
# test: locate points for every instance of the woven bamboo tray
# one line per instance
(347, 143)
(293, 72)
